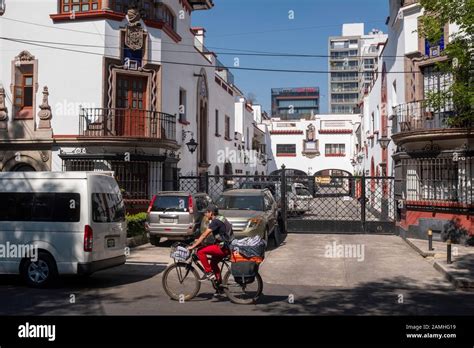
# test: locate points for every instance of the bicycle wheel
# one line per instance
(181, 281)
(242, 294)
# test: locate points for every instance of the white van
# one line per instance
(58, 223)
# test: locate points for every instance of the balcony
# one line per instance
(344, 68)
(127, 123)
(418, 116)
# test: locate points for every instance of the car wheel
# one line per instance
(41, 273)
(154, 240)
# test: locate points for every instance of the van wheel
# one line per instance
(41, 273)
(154, 240)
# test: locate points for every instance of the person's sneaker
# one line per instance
(219, 292)
(208, 276)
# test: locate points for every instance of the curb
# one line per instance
(459, 283)
(136, 241)
(418, 250)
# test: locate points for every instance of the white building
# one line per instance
(430, 160)
(117, 87)
(325, 143)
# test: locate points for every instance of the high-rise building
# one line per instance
(352, 62)
(295, 103)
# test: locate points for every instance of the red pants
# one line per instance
(217, 254)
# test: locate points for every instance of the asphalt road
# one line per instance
(305, 275)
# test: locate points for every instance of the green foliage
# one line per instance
(454, 231)
(136, 224)
(460, 53)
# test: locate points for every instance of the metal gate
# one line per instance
(339, 204)
(314, 204)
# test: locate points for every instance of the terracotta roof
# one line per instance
(335, 131)
(286, 131)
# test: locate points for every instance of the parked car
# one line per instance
(299, 199)
(73, 221)
(251, 212)
(175, 215)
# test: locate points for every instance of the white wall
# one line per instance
(72, 78)
(321, 161)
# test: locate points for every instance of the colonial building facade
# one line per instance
(115, 85)
(323, 145)
(430, 160)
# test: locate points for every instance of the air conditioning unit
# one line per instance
(434, 51)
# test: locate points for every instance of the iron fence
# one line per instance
(121, 122)
(419, 115)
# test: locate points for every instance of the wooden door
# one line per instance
(131, 115)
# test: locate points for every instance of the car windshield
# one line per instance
(170, 203)
(229, 202)
(302, 191)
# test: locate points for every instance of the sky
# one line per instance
(265, 25)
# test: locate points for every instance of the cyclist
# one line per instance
(221, 230)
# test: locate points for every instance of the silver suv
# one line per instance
(175, 215)
(251, 212)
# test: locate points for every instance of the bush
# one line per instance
(136, 224)
(453, 230)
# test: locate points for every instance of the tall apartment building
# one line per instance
(295, 103)
(352, 62)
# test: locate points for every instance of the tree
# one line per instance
(460, 53)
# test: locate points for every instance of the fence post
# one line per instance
(362, 202)
(430, 240)
(283, 199)
(206, 182)
(449, 259)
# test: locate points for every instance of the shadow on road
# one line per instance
(396, 296)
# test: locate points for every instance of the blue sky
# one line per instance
(264, 25)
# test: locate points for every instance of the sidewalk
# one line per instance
(460, 273)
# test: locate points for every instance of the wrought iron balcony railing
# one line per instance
(419, 115)
(135, 123)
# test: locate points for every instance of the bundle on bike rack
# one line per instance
(179, 252)
(247, 254)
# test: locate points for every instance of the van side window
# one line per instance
(41, 207)
(107, 207)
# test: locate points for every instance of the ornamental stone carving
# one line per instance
(45, 114)
(24, 57)
(3, 111)
(134, 32)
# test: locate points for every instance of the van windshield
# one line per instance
(170, 203)
(107, 207)
(240, 203)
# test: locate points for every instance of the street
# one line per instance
(300, 277)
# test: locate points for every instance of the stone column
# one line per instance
(45, 114)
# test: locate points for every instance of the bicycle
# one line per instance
(182, 282)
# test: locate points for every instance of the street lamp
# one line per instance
(383, 142)
(192, 144)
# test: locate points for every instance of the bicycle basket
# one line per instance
(179, 253)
